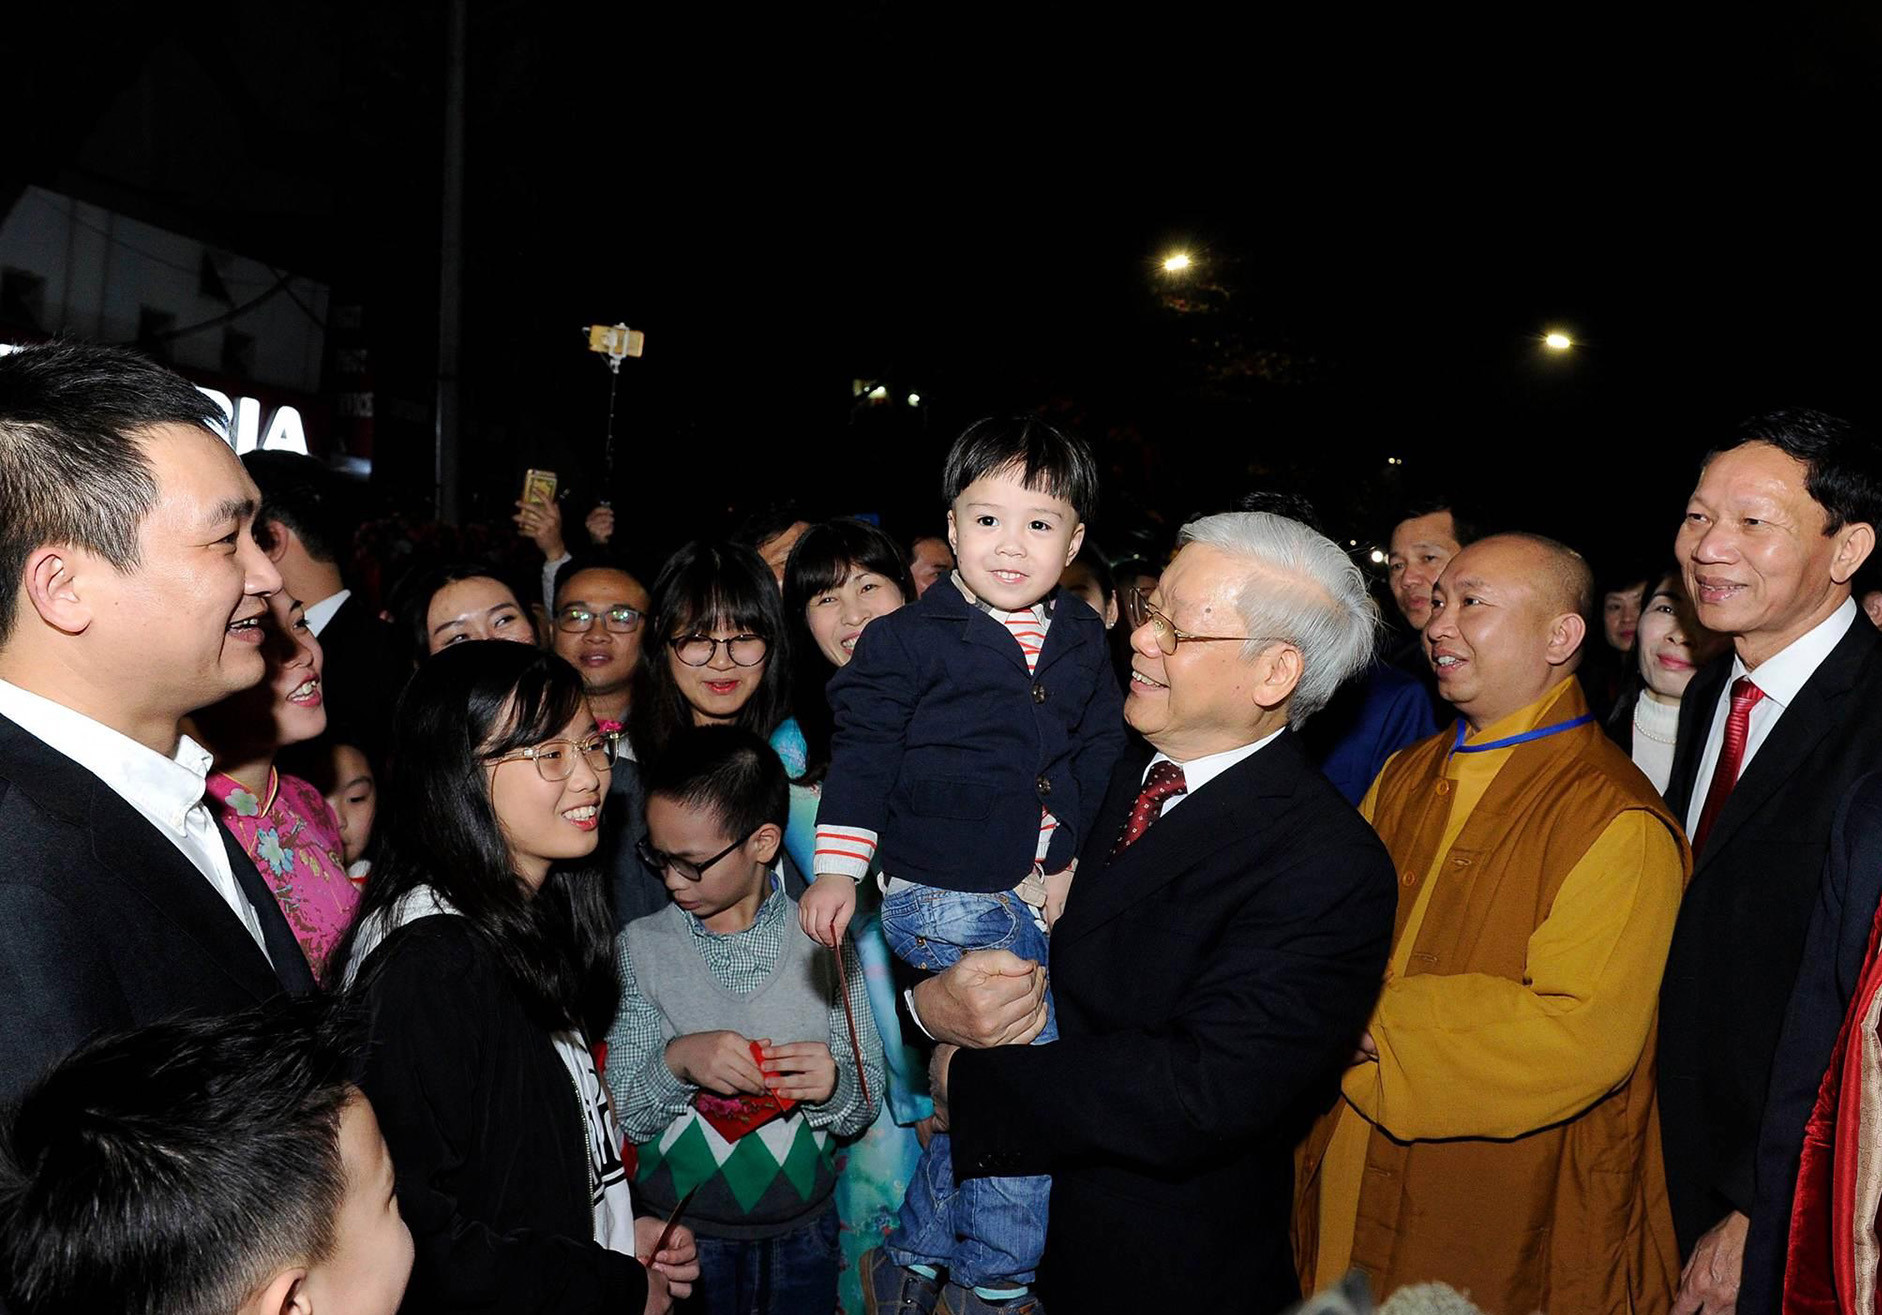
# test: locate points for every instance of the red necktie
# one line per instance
(1165, 781)
(1731, 754)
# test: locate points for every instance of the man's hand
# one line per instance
(600, 524)
(925, 1129)
(678, 1260)
(803, 1070)
(938, 1079)
(717, 1061)
(1709, 1283)
(1058, 890)
(659, 1294)
(989, 998)
(542, 522)
(826, 909)
(1368, 1050)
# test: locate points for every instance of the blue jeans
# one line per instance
(984, 1232)
(791, 1274)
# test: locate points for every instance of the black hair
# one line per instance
(307, 498)
(437, 827)
(596, 561)
(725, 771)
(174, 1169)
(412, 604)
(1842, 461)
(1466, 527)
(1620, 718)
(1092, 560)
(704, 585)
(820, 561)
(73, 468)
(1292, 506)
(1050, 461)
(765, 523)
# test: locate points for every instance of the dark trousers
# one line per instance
(791, 1274)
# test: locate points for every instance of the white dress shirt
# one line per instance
(1780, 676)
(318, 614)
(1198, 772)
(168, 792)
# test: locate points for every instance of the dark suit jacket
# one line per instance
(947, 746)
(1742, 925)
(361, 674)
(104, 924)
(1834, 950)
(1210, 984)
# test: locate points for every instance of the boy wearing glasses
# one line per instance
(732, 1059)
(976, 730)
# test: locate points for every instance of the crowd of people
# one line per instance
(822, 921)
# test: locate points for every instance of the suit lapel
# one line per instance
(1064, 635)
(1224, 812)
(1695, 724)
(1810, 717)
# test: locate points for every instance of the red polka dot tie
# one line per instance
(1165, 781)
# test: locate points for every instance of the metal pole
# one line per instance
(451, 266)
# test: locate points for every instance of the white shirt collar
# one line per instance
(1198, 772)
(158, 787)
(1783, 674)
(318, 614)
(1038, 611)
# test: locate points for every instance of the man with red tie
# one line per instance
(1217, 958)
(1770, 739)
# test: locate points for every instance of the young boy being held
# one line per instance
(731, 1059)
(976, 730)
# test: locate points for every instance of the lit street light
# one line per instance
(1557, 341)
(1177, 263)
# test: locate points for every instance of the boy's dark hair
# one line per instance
(72, 467)
(1050, 461)
(1842, 461)
(726, 771)
(173, 1169)
(309, 499)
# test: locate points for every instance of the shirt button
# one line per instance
(1038, 693)
(1460, 862)
(1444, 787)
(1045, 786)
(1409, 880)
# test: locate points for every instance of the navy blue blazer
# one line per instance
(947, 747)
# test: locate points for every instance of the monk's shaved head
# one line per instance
(1562, 579)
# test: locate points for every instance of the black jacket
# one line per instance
(104, 924)
(1210, 984)
(486, 1135)
(1742, 925)
(362, 671)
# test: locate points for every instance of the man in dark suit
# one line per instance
(1215, 964)
(131, 591)
(1770, 740)
(306, 524)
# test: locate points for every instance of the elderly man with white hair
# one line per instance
(1217, 960)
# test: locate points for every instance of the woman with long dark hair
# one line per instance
(842, 575)
(484, 958)
(1669, 646)
(715, 650)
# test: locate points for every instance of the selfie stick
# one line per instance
(617, 342)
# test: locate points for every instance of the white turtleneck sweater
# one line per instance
(1654, 726)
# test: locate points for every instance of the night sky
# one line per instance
(971, 203)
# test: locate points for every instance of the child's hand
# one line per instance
(826, 909)
(1058, 890)
(678, 1260)
(718, 1061)
(803, 1070)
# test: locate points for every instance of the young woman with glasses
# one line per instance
(483, 959)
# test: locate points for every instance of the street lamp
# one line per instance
(1557, 341)
(1177, 263)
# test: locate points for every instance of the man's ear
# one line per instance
(1277, 672)
(764, 843)
(278, 536)
(1566, 633)
(283, 1294)
(54, 583)
(1854, 543)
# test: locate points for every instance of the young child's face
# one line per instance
(696, 838)
(354, 798)
(1012, 542)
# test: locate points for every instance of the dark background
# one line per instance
(971, 204)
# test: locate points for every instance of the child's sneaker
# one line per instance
(888, 1289)
(957, 1300)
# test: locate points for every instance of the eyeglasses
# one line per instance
(555, 759)
(660, 861)
(574, 620)
(698, 650)
(1138, 611)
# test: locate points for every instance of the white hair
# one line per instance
(1305, 592)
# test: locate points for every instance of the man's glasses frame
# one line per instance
(1138, 611)
(660, 861)
(549, 756)
(704, 648)
(622, 620)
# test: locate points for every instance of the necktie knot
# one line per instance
(1164, 781)
(1745, 694)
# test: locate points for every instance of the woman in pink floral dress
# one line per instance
(279, 820)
